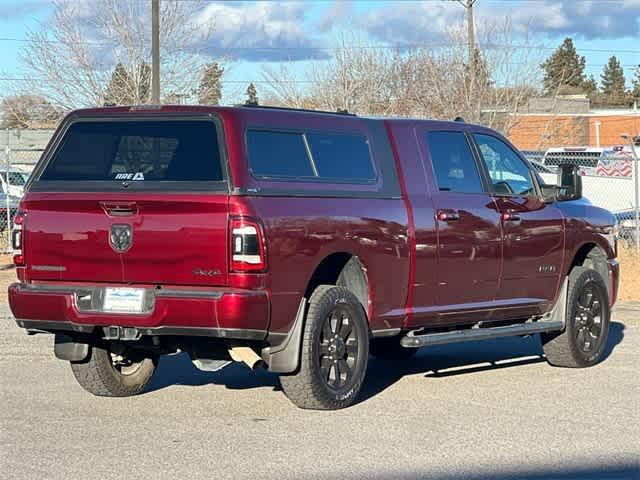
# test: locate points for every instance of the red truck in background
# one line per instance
(301, 242)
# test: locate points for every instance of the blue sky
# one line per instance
(301, 31)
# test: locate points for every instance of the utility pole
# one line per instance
(155, 52)
(471, 36)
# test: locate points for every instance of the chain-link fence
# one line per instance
(21, 150)
(609, 180)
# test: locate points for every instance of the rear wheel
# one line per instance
(584, 339)
(335, 350)
(112, 370)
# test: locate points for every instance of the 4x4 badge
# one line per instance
(120, 237)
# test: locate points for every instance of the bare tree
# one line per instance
(286, 89)
(428, 82)
(28, 111)
(70, 58)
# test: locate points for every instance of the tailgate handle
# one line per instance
(120, 209)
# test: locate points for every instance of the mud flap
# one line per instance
(559, 310)
(285, 357)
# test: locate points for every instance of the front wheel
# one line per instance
(111, 370)
(335, 351)
(584, 339)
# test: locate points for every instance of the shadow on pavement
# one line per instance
(178, 370)
(619, 471)
(467, 358)
(434, 362)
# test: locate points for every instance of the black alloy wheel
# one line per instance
(338, 350)
(587, 318)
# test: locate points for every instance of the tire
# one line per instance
(317, 384)
(584, 338)
(390, 349)
(100, 376)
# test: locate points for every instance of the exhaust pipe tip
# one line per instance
(247, 356)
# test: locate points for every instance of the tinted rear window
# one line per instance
(330, 156)
(341, 156)
(137, 151)
(278, 154)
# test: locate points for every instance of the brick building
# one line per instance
(571, 123)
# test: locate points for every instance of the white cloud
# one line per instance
(411, 22)
(259, 31)
(426, 21)
(589, 19)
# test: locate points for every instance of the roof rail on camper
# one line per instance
(269, 107)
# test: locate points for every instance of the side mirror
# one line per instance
(569, 183)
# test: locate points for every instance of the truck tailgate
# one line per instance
(174, 239)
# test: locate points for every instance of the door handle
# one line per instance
(448, 216)
(510, 217)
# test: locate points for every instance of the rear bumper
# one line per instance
(221, 312)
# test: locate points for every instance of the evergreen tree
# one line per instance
(590, 86)
(129, 88)
(252, 95)
(118, 90)
(613, 82)
(210, 90)
(564, 70)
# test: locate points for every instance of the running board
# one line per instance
(553, 321)
(411, 340)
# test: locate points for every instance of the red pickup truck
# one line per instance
(301, 242)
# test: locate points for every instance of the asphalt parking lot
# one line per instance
(476, 410)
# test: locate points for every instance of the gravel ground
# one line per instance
(490, 409)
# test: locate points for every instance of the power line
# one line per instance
(399, 46)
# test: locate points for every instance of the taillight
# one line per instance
(17, 240)
(247, 246)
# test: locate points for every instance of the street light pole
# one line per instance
(636, 188)
(155, 52)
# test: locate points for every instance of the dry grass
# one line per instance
(629, 274)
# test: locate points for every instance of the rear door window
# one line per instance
(137, 151)
(453, 162)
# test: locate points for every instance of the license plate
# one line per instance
(123, 300)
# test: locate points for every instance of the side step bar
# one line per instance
(551, 322)
(411, 340)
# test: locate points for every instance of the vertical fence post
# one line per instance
(636, 188)
(7, 155)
